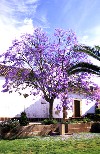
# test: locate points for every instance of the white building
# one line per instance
(11, 105)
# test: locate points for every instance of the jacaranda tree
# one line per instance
(40, 62)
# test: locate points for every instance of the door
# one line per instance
(76, 108)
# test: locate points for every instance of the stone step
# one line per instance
(55, 133)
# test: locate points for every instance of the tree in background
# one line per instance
(85, 66)
(39, 62)
(92, 51)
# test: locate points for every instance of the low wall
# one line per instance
(78, 127)
(30, 130)
(42, 130)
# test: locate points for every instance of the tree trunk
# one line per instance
(50, 100)
(51, 108)
(64, 114)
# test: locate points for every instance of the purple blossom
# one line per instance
(42, 63)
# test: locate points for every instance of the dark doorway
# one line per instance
(76, 108)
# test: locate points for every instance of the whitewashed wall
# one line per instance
(88, 105)
(13, 104)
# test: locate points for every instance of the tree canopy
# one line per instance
(43, 63)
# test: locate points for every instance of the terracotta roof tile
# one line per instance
(4, 70)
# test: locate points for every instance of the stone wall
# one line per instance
(78, 127)
(30, 130)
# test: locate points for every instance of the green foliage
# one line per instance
(23, 119)
(97, 117)
(90, 116)
(95, 128)
(84, 120)
(94, 116)
(97, 111)
(93, 52)
(84, 67)
(97, 114)
(11, 124)
(72, 121)
(50, 121)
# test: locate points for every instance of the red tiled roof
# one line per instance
(4, 70)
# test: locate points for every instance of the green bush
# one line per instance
(95, 128)
(84, 120)
(23, 119)
(97, 111)
(72, 121)
(90, 116)
(50, 121)
(8, 125)
(97, 117)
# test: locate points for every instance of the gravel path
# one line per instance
(81, 136)
(74, 136)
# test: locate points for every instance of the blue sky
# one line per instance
(19, 16)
